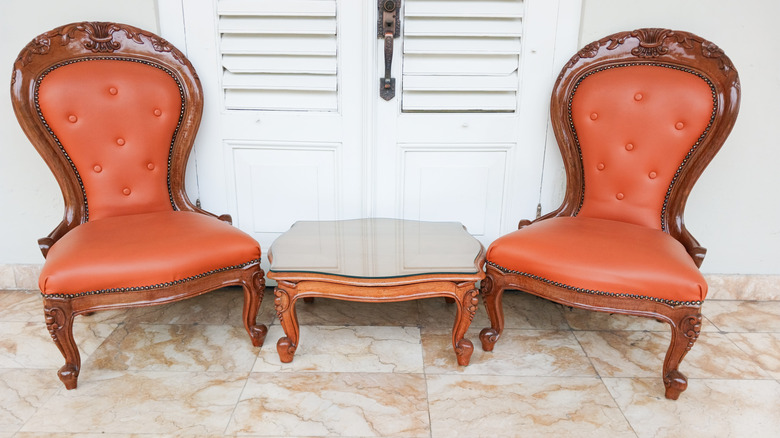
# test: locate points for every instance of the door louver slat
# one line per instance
(279, 55)
(462, 56)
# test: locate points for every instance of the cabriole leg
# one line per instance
(685, 331)
(492, 295)
(59, 321)
(467, 307)
(253, 298)
(285, 310)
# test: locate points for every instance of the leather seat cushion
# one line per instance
(143, 250)
(602, 255)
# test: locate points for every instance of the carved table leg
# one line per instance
(253, 298)
(684, 334)
(285, 310)
(492, 298)
(59, 321)
(467, 307)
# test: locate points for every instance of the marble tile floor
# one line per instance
(363, 370)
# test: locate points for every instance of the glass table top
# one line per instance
(377, 248)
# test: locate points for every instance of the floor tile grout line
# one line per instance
(604, 385)
(54, 393)
(747, 353)
(425, 370)
(241, 393)
(235, 406)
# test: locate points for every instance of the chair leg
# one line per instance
(467, 307)
(685, 331)
(59, 321)
(491, 295)
(253, 298)
(285, 311)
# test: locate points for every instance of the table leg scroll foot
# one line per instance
(489, 337)
(257, 334)
(286, 349)
(463, 350)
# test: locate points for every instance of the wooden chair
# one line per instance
(113, 110)
(637, 115)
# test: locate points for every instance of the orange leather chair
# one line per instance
(637, 115)
(113, 110)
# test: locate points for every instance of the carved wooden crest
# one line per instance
(654, 43)
(95, 36)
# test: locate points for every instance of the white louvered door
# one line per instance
(280, 139)
(294, 128)
(465, 141)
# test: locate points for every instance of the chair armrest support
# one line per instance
(45, 243)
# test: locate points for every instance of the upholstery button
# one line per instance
(72, 118)
(679, 125)
(652, 175)
(112, 90)
(629, 147)
(157, 112)
(594, 116)
(126, 191)
(150, 166)
(97, 169)
(638, 96)
(619, 196)
(600, 166)
(120, 141)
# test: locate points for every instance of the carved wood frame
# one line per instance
(668, 48)
(104, 40)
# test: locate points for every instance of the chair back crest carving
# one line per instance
(638, 116)
(118, 109)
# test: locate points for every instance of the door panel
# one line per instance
(278, 141)
(298, 183)
(442, 185)
(465, 141)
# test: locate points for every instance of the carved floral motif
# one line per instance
(54, 320)
(100, 39)
(470, 302)
(281, 301)
(38, 46)
(653, 43)
(258, 280)
(101, 36)
(690, 326)
(485, 288)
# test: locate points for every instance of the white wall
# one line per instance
(30, 198)
(734, 210)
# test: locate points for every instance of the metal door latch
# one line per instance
(388, 27)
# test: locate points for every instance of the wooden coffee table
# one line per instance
(375, 260)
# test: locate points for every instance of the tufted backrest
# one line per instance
(113, 110)
(635, 124)
(638, 116)
(115, 120)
